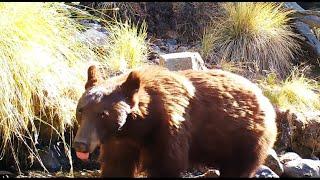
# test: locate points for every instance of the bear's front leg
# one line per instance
(119, 158)
(169, 158)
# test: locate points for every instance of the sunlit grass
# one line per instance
(297, 92)
(127, 47)
(253, 32)
(317, 32)
(44, 64)
(43, 70)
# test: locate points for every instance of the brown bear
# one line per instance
(162, 122)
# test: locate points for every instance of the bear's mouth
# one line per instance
(82, 150)
(83, 155)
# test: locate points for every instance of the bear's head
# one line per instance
(103, 110)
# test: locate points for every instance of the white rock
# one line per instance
(265, 172)
(289, 156)
(182, 61)
(302, 168)
(93, 37)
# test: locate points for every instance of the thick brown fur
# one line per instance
(213, 117)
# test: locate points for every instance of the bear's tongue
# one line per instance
(82, 156)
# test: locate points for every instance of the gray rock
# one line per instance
(302, 168)
(155, 49)
(265, 172)
(7, 174)
(313, 157)
(172, 48)
(85, 21)
(171, 41)
(94, 25)
(182, 61)
(289, 156)
(274, 163)
(299, 132)
(53, 157)
(49, 160)
(93, 37)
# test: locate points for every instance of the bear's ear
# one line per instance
(131, 87)
(93, 77)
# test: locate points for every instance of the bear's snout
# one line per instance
(81, 147)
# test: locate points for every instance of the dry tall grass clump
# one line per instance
(253, 32)
(43, 70)
(126, 46)
(297, 92)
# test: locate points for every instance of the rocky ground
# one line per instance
(288, 164)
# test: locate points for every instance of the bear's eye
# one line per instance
(104, 114)
(80, 110)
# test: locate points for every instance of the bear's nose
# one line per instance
(80, 147)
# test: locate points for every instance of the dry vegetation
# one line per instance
(297, 92)
(43, 68)
(126, 46)
(186, 19)
(251, 32)
(193, 17)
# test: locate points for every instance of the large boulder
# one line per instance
(302, 168)
(289, 156)
(274, 163)
(265, 172)
(53, 157)
(299, 132)
(48, 159)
